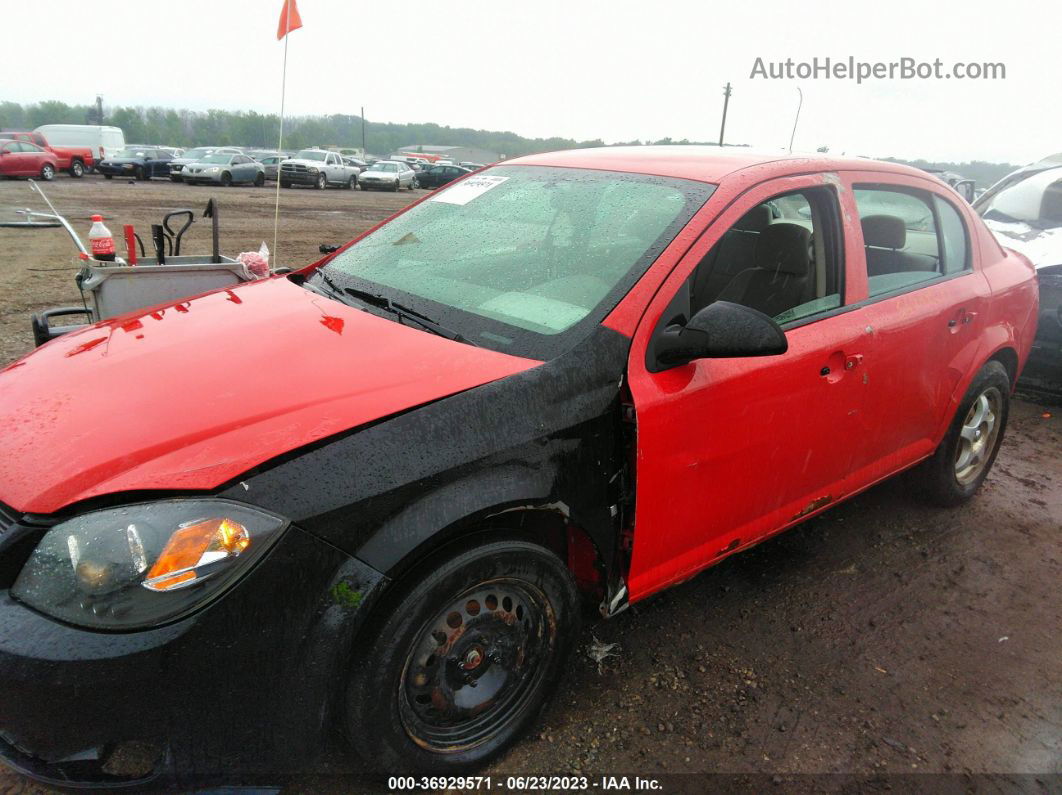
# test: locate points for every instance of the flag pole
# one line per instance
(280, 142)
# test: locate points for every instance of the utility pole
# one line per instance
(363, 150)
(796, 119)
(726, 102)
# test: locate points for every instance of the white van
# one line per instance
(104, 141)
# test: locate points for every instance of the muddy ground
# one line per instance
(884, 637)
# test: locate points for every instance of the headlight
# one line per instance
(312, 170)
(141, 565)
(213, 170)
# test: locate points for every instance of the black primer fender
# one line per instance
(547, 437)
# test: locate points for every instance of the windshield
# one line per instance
(311, 154)
(132, 153)
(195, 154)
(216, 158)
(520, 258)
(384, 167)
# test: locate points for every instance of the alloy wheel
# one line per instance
(977, 438)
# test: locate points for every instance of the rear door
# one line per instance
(925, 302)
(732, 450)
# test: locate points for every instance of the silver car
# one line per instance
(388, 175)
(225, 170)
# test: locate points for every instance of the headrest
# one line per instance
(785, 248)
(755, 220)
(884, 231)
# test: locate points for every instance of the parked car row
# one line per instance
(315, 167)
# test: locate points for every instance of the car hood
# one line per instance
(301, 162)
(190, 395)
(380, 174)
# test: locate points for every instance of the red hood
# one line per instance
(191, 395)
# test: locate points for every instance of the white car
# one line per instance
(388, 175)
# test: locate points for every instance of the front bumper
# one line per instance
(117, 170)
(241, 691)
(381, 184)
(201, 178)
(299, 177)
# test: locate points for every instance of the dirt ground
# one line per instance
(883, 637)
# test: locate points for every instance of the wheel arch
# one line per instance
(1008, 357)
(508, 498)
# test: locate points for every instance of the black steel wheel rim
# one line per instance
(475, 665)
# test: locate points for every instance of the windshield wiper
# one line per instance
(385, 303)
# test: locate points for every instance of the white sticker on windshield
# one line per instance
(466, 190)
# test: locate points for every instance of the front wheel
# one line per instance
(226, 179)
(77, 169)
(47, 172)
(259, 179)
(464, 660)
(353, 183)
(140, 174)
(108, 176)
(322, 182)
(965, 456)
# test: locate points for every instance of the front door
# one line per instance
(732, 450)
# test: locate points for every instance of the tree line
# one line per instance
(185, 128)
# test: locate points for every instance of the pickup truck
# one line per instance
(320, 168)
(73, 159)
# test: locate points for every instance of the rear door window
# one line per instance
(900, 237)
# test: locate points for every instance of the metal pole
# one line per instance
(280, 141)
(799, 106)
(726, 102)
(364, 151)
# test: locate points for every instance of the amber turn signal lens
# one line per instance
(195, 545)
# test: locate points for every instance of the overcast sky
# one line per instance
(613, 70)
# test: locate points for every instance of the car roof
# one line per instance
(703, 163)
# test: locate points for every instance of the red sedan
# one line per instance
(23, 159)
(362, 502)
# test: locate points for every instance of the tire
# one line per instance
(284, 184)
(47, 172)
(259, 179)
(518, 611)
(139, 174)
(226, 179)
(108, 176)
(176, 179)
(77, 169)
(322, 182)
(966, 454)
(396, 186)
(353, 184)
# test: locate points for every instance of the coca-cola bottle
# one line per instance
(100, 241)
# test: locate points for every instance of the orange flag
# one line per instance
(289, 19)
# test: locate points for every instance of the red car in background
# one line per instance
(23, 159)
(75, 160)
(584, 375)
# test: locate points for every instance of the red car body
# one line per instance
(381, 440)
(66, 157)
(75, 385)
(16, 161)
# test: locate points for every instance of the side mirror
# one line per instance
(721, 330)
